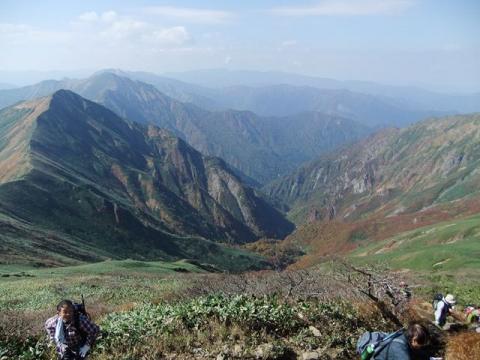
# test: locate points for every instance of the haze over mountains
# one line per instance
(407, 96)
(284, 99)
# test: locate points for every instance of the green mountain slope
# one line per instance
(87, 179)
(393, 172)
(449, 246)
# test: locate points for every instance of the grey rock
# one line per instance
(315, 331)
(312, 355)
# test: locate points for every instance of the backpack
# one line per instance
(436, 299)
(79, 309)
(370, 343)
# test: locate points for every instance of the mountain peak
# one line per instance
(66, 95)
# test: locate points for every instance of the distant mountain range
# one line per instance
(287, 100)
(414, 98)
(80, 183)
(262, 148)
(281, 99)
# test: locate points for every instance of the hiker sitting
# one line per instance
(472, 315)
(409, 344)
(443, 308)
(72, 332)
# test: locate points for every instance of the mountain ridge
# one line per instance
(85, 160)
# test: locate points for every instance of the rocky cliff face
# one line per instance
(392, 172)
(109, 181)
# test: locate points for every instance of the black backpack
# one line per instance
(79, 309)
(436, 299)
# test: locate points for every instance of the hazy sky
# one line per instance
(430, 42)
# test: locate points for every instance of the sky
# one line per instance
(431, 43)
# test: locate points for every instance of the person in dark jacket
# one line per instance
(444, 308)
(411, 344)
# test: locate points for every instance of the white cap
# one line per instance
(450, 299)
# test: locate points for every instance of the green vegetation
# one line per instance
(466, 287)
(40, 246)
(283, 324)
(239, 326)
(450, 246)
(444, 258)
(152, 310)
(109, 282)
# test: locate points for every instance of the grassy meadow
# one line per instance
(155, 310)
(108, 282)
(444, 257)
(448, 246)
(183, 310)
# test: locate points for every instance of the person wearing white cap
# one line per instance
(443, 309)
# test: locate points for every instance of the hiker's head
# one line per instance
(66, 310)
(450, 299)
(418, 336)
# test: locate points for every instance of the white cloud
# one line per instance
(346, 8)
(228, 59)
(113, 28)
(129, 32)
(194, 15)
(93, 17)
(90, 16)
(124, 29)
(174, 36)
(109, 16)
(92, 39)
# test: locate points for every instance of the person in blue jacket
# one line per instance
(411, 344)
